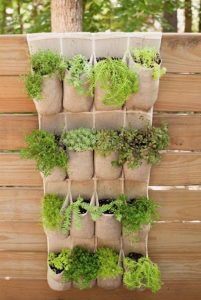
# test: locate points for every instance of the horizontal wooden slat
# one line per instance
(38, 289)
(184, 130)
(178, 204)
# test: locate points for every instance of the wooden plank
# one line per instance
(17, 204)
(21, 236)
(38, 289)
(178, 204)
(15, 171)
(14, 129)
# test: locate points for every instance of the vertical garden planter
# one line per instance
(104, 168)
(55, 281)
(99, 94)
(57, 174)
(80, 165)
(140, 173)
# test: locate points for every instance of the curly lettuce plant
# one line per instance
(142, 274)
(109, 267)
(78, 140)
(79, 70)
(116, 79)
(150, 59)
(106, 141)
(59, 262)
(44, 148)
(44, 62)
(51, 211)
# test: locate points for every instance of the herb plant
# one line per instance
(116, 79)
(43, 63)
(142, 274)
(78, 140)
(79, 74)
(59, 261)
(43, 147)
(106, 141)
(83, 267)
(108, 263)
(150, 59)
(51, 211)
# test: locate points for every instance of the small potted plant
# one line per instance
(43, 83)
(58, 263)
(141, 273)
(110, 269)
(51, 159)
(146, 62)
(113, 82)
(107, 227)
(77, 97)
(83, 269)
(106, 153)
(80, 144)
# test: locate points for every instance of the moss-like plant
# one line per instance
(135, 212)
(78, 140)
(43, 147)
(79, 74)
(142, 274)
(83, 268)
(106, 141)
(150, 59)
(59, 262)
(51, 211)
(116, 79)
(44, 62)
(108, 263)
(135, 146)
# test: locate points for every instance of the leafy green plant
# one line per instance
(135, 146)
(43, 147)
(150, 59)
(106, 141)
(135, 212)
(79, 74)
(60, 261)
(51, 211)
(83, 267)
(142, 274)
(43, 63)
(108, 263)
(82, 139)
(116, 79)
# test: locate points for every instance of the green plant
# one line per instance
(135, 212)
(51, 211)
(150, 59)
(43, 63)
(79, 74)
(60, 261)
(116, 79)
(43, 147)
(82, 139)
(135, 146)
(142, 274)
(83, 268)
(106, 141)
(108, 263)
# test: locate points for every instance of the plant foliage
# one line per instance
(60, 261)
(142, 274)
(33, 84)
(51, 211)
(43, 147)
(116, 79)
(78, 140)
(150, 59)
(108, 263)
(106, 141)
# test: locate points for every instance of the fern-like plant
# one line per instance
(107, 141)
(142, 274)
(108, 263)
(79, 74)
(150, 59)
(51, 211)
(44, 62)
(78, 140)
(116, 79)
(59, 262)
(44, 148)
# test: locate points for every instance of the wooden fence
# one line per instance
(174, 243)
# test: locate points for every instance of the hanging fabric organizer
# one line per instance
(91, 175)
